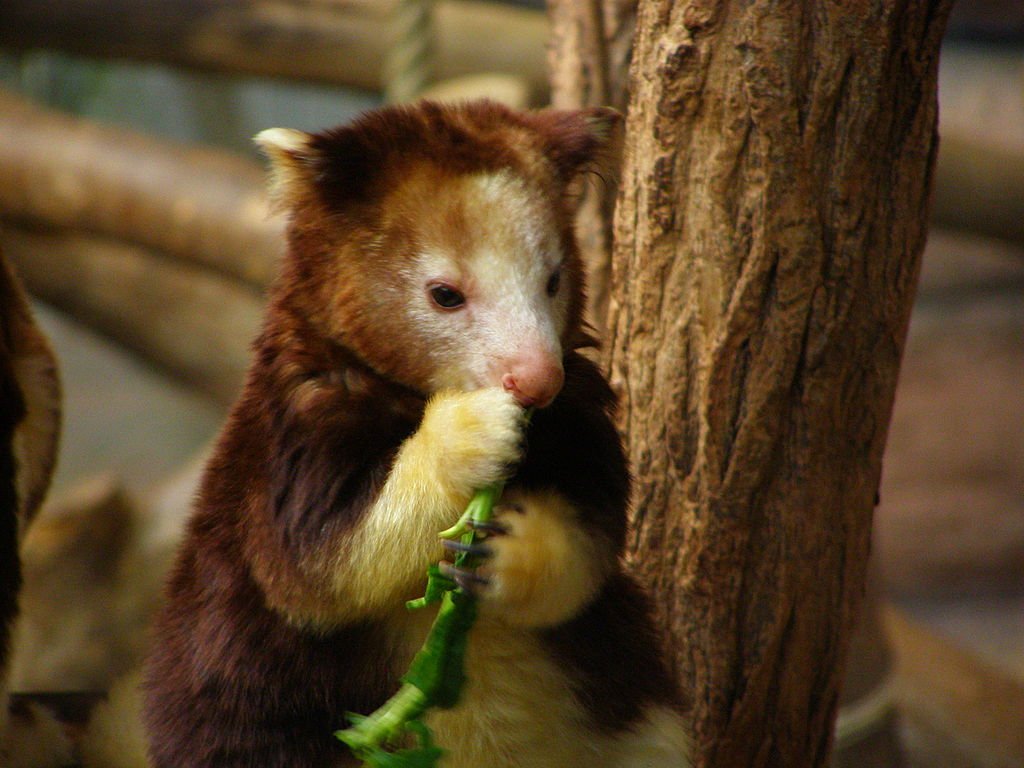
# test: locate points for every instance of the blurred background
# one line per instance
(131, 204)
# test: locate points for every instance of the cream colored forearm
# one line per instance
(465, 441)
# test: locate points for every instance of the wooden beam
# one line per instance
(963, 704)
(186, 319)
(335, 41)
(979, 187)
(196, 204)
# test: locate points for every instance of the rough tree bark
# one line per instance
(769, 228)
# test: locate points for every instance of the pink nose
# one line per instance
(534, 380)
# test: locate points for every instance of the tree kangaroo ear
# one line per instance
(578, 140)
(337, 167)
(292, 164)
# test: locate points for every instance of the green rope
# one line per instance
(410, 61)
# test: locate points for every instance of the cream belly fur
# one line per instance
(518, 711)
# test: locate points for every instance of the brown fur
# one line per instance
(251, 664)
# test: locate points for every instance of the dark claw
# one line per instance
(491, 528)
(467, 581)
(476, 550)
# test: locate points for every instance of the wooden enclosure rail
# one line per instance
(200, 205)
(344, 42)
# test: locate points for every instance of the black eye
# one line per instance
(554, 281)
(447, 297)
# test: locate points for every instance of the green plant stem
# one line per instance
(436, 675)
(479, 509)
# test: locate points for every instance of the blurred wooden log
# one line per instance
(70, 707)
(197, 204)
(959, 711)
(994, 21)
(185, 318)
(979, 187)
(866, 728)
(951, 519)
(336, 41)
(72, 634)
(506, 89)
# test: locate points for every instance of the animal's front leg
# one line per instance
(541, 566)
(466, 440)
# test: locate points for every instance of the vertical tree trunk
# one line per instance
(588, 58)
(769, 228)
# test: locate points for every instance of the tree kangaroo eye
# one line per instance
(447, 297)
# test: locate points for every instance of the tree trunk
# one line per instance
(588, 57)
(769, 228)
